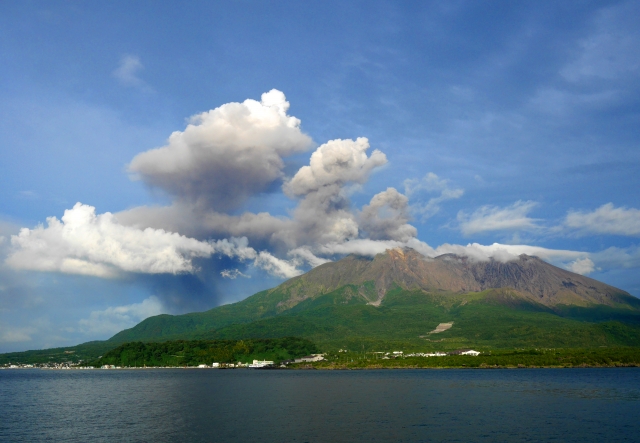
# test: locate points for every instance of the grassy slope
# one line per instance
(164, 327)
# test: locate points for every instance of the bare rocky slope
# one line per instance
(531, 277)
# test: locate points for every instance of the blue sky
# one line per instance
(501, 128)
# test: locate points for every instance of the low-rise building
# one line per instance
(261, 363)
(465, 352)
(310, 358)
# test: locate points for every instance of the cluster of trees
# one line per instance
(196, 352)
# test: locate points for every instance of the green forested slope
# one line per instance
(490, 319)
(196, 352)
(478, 322)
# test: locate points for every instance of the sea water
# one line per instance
(241, 405)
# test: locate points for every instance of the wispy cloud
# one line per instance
(617, 258)
(128, 72)
(430, 183)
(607, 219)
(16, 335)
(30, 195)
(494, 218)
(233, 274)
(115, 319)
(611, 51)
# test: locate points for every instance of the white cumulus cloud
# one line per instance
(82, 242)
(582, 266)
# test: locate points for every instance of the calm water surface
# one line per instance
(563, 405)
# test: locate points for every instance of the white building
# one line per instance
(310, 358)
(465, 352)
(261, 363)
(470, 352)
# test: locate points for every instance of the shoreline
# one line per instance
(343, 368)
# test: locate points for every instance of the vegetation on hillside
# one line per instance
(405, 320)
(562, 358)
(72, 354)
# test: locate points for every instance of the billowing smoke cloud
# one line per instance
(336, 163)
(324, 214)
(261, 228)
(387, 217)
(225, 155)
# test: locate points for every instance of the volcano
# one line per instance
(401, 296)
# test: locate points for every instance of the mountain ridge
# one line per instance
(529, 275)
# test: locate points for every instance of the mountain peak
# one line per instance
(406, 268)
